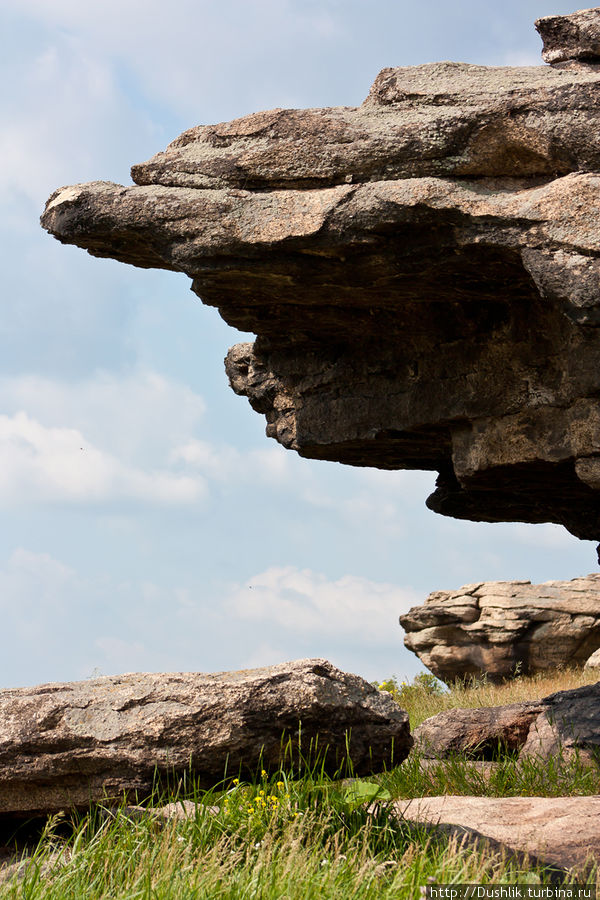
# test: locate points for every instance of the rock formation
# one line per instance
(566, 723)
(66, 745)
(422, 273)
(499, 628)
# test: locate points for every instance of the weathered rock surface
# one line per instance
(571, 38)
(501, 627)
(594, 661)
(422, 273)
(566, 723)
(563, 832)
(64, 745)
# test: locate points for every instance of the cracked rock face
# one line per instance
(66, 745)
(422, 273)
(503, 627)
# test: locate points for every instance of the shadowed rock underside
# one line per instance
(421, 272)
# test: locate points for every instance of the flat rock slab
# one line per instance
(66, 745)
(562, 832)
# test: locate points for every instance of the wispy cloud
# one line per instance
(66, 625)
(41, 465)
(306, 602)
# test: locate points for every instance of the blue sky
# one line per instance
(146, 521)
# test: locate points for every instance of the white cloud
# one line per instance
(40, 464)
(33, 575)
(175, 55)
(134, 415)
(65, 625)
(121, 656)
(101, 440)
(271, 465)
(60, 127)
(305, 602)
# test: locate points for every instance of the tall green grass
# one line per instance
(299, 834)
(311, 843)
(425, 696)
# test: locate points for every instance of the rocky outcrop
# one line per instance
(499, 628)
(66, 745)
(565, 724)
(422, 273)
(561, 832)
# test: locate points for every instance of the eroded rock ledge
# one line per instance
(422, 273)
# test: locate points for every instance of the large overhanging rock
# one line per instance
(422, 273)
(66, 745)
(501, 628)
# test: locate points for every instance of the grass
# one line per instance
(426, 696)
(284, 836)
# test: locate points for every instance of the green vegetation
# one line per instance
(285, 836)
(425, 696)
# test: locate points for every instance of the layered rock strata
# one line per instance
(422, 274)
(66, 745)
(502, 628)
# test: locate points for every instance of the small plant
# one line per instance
(423, 682)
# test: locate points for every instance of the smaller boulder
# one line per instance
(477, 733)
(567, 723)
